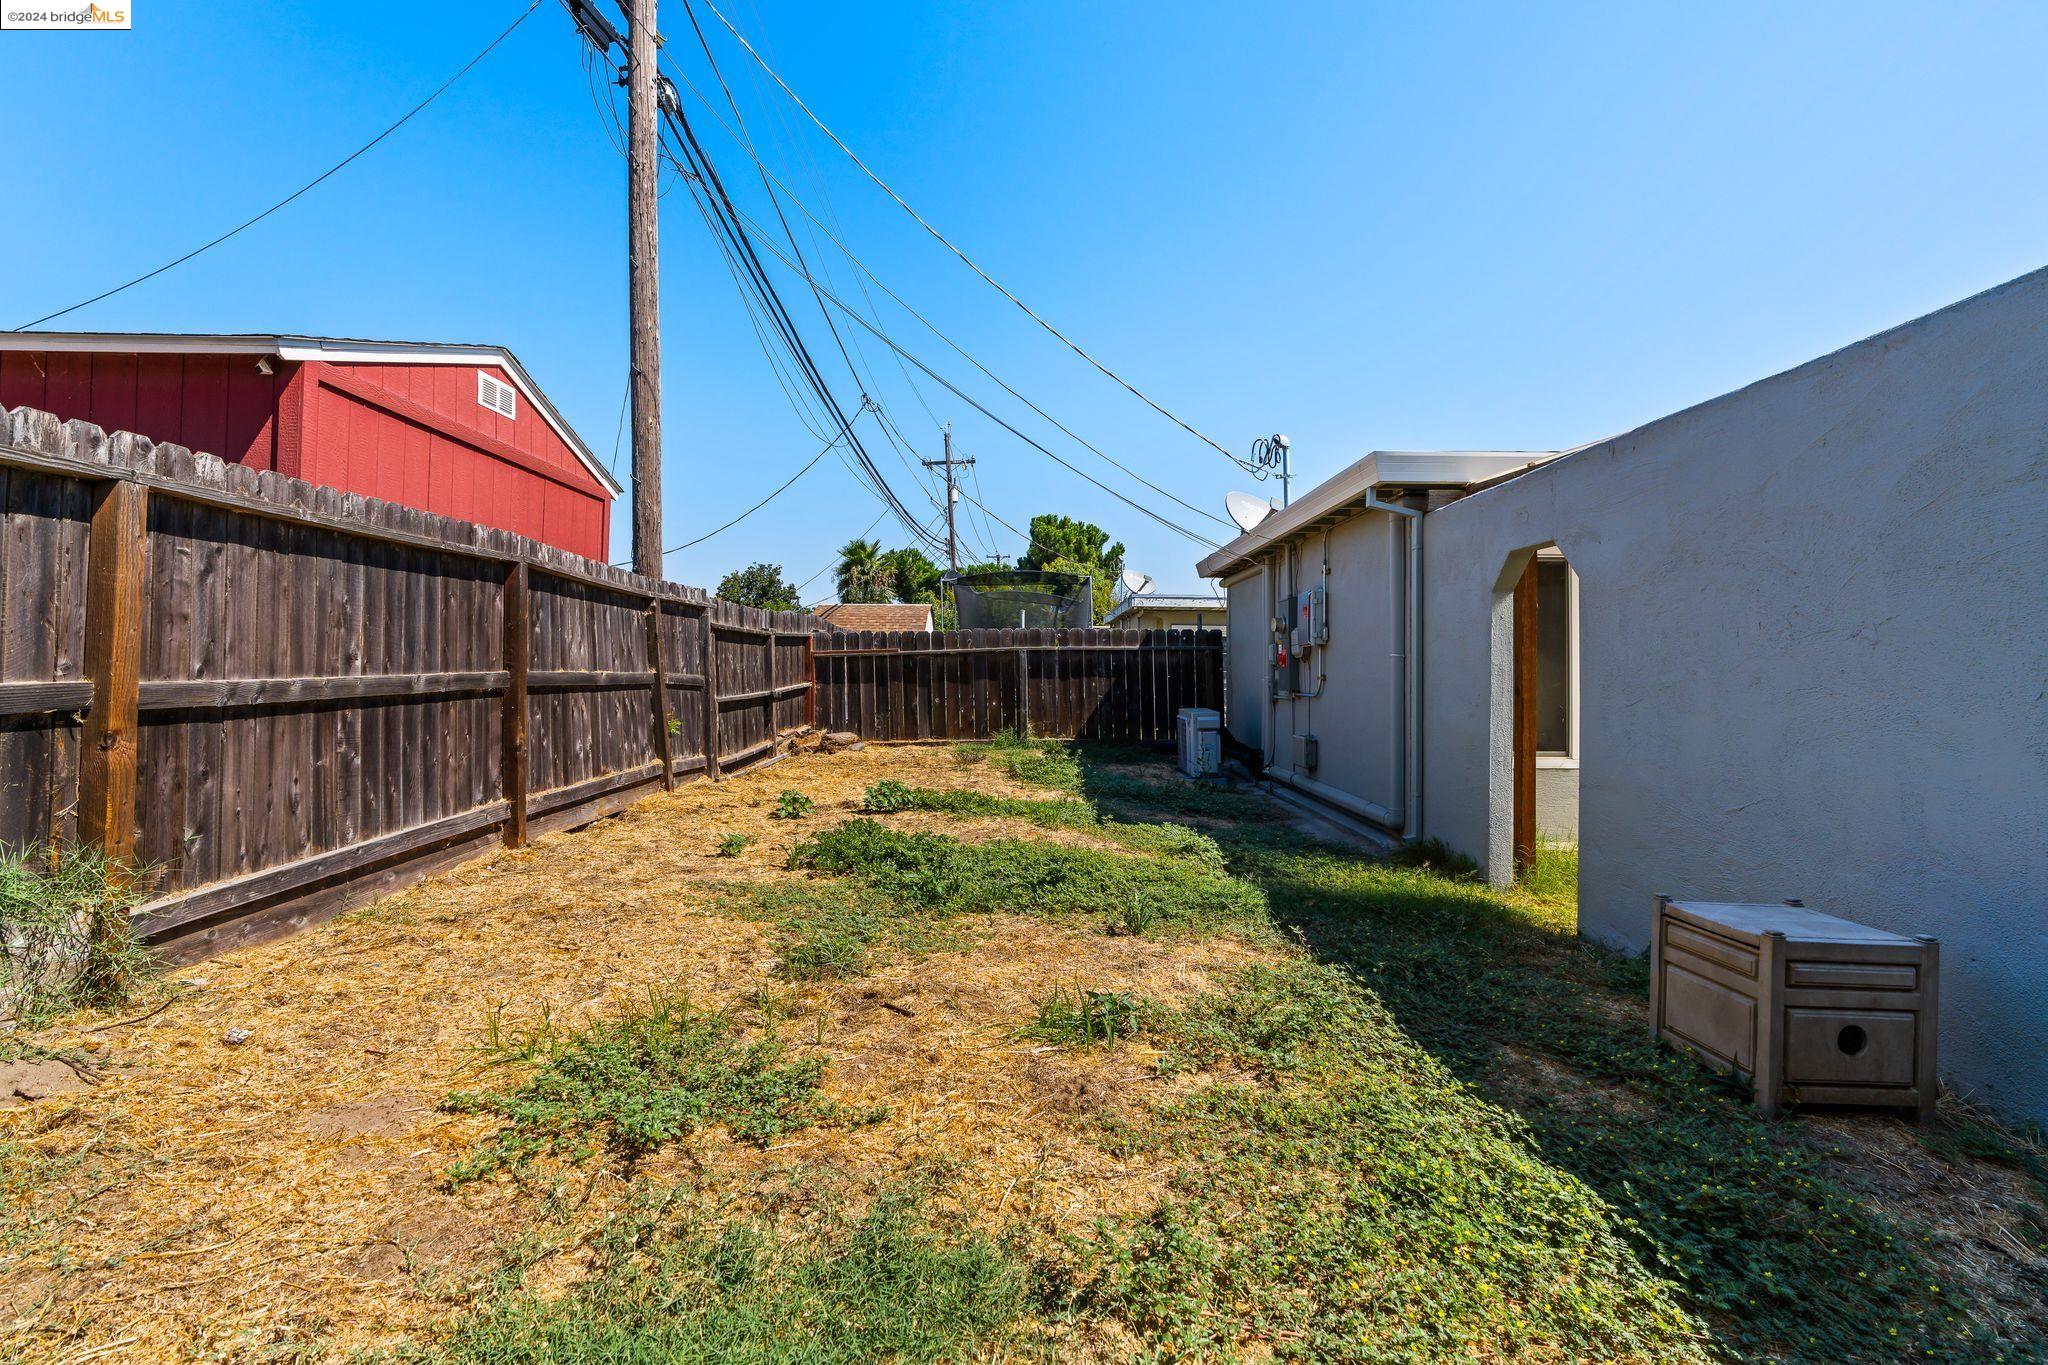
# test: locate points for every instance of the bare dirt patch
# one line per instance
(210, 1198)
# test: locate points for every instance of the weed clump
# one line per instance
(792, 805)
(831, 931)
(732, 845)
(1083, 1018)
(65, 938)
(634, 1083)
(888, 796)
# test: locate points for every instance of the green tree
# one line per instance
(861, 575)
(1057, 537)
(912, 575)
(1067, 545)
(759, 585)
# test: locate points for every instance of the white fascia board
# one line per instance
(1381, 469)
(339, 351)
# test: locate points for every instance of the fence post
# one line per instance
(512, 726)
(710, 695)
(811, 677)
(115, 564)
(661, 735)
(1023, 693)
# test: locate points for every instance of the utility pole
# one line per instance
(952, 497)
(643, 147)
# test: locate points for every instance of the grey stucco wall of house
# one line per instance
(1356, 718)
(1355, 722)
(1557, 805)
(1245, 644)
(1813, 660)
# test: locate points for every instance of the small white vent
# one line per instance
(496, 395)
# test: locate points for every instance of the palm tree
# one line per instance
(861, 575)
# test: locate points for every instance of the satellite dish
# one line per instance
(1137, 584)
(1247, 511)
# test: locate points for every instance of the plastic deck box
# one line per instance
(1810, 1008)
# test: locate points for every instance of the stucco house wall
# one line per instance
(1246, 678)
(1557, 805)
(1813, 660)
(1354, 719)
(1357, 730)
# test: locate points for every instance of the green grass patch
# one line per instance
(633, 1083)
(65, 938)
(1354, 1202)
(1055, 813)
(900, 1282)
(1553, 875)
(1084, 1018)
(826, 931)
(1039, 762)
(1755, 1224)
(943, 875)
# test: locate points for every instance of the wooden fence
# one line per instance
(974, 684)
(280, 699)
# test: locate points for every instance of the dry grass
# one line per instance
(216, 1200)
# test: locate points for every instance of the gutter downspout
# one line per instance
(1411, 664)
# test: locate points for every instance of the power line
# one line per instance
(746, 140)
(933, 328)
(779, 491)
(974, 403)
(835, 563)
(310, 184)
(709, 189)
(944, 241)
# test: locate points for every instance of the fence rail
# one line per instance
(280, 699)
(974, 684)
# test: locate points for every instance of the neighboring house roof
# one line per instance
(335, 350)
(1381, 469)
(1164, 601)
(876, 615)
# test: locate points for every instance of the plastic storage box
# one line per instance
(1810, 1008)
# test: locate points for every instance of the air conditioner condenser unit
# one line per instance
(1199, 731)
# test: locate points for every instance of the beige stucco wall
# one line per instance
(1813, 660)
(1354, 718)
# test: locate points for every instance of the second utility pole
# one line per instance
(644, 286)
(952, 497)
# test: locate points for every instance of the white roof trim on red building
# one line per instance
(336, 350)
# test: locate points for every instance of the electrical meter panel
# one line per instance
(1286, 653)
(1312, 618)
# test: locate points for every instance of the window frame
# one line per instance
(1569, 757)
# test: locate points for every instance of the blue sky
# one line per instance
(1368, 226)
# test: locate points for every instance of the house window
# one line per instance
(1557, 663)
(496, 395)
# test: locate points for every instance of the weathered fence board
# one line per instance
(283, 698)
(974, 684)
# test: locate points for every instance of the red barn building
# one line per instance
(457, 430)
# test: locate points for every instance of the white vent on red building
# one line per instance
(496, 395)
